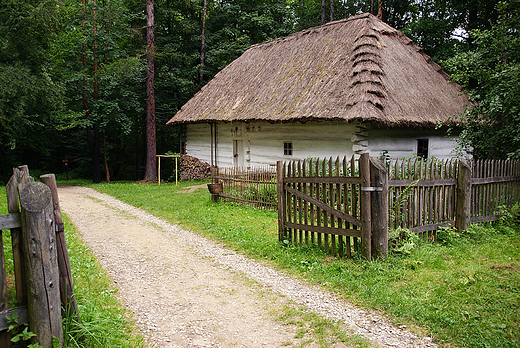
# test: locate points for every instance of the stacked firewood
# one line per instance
(193, 169)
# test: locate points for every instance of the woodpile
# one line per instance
(194, 169)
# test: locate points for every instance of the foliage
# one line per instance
(491, 126)
(20, 332)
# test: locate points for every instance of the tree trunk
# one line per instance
(332, 10)
(151, 170)
(203, 43)
(323, 12)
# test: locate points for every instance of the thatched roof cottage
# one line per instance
(350, 86)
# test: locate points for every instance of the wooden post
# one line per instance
(13, 207)
(5, 337)
(366, 221)
(379, 207)
(463, 212)
(41, 264)
(159, 170)
(281, 201)
(68, 300)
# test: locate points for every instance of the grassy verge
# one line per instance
(104, 322)
(463, 290)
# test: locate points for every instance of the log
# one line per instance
(191, 168)
(40, 258)
(379, 207)
(68, 300)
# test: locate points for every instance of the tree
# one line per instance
(31, 104)
(151, 167)
(491, 127)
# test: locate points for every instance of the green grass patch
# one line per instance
(464, 291)
(104, 321)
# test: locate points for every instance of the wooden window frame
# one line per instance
(287, 148)
(423, 148)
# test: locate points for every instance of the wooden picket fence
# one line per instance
(319, 200)
(42, 276)
(255, 187)
(427, 194)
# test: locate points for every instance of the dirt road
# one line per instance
(186, 291)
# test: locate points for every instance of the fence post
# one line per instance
(13, 206)
(379, 207)
(463, 212)
(68, 300)
(366, 221)
(5, 337)
(281, 200)
(39, 248)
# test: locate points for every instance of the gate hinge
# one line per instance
(371, 189)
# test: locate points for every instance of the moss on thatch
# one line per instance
(356, 69)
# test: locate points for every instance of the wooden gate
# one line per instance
(331, 203)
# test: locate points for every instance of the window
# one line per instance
(287, 148)
(422, 148)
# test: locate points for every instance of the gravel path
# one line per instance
(187, 291)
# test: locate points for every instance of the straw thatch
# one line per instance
(356, 69)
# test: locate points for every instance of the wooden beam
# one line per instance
(23, 316)
(324, 206)
(9, 221)
(348, 232)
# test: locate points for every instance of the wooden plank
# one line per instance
(327, 230)
(432, 227)
(324, 206)
(5, 337)
(366, 221)
(485, 218)
(23, 316)
(324, 180)
(379, 209)
(9, 221)
(13, 207)
(492, 180)
(463, 196)
(68, 299)
(324, 199)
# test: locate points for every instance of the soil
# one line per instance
(187, 291)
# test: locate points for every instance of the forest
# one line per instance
(73, 73)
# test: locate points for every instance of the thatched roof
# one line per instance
(356, 69)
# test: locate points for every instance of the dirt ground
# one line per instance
(186, 291)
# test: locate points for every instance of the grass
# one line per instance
(463, 290)
(104, 321)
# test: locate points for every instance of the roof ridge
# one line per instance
(366, 70)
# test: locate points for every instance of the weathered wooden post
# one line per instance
(39, 248)
(281, 201)
(5, 337)
(463, 212)
(68, 300)
(379, 207)
(366, 221)
(13, 206)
